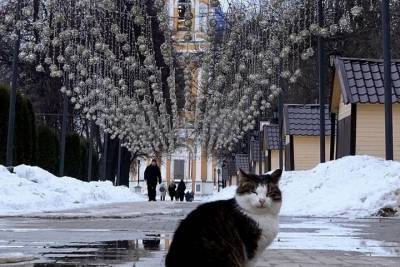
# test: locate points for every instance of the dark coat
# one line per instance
(181, 188)
(172, 189)
(152, 174)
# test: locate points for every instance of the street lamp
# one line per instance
(13, 93)
(219, 172)
(138, 172)
(387, 79)
(138, 188)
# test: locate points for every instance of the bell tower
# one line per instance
(188, 21)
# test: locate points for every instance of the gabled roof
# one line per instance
(361, 80)
(304, 120)
(242, 162)
(271, 137)
(228, 168)
(256, 154)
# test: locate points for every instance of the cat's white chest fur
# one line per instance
(269, 224)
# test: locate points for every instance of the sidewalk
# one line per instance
(317, 258)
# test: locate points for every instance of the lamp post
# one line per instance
(138, 172)
(321, 65)
(219, 183)
(63, 135)
(90, 163)
(280, 119)
(387, 80)
(13, 94)
(105, 154)
(118, 181)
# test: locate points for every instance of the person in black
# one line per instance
(181, 190)
(189, 196)
(172, 190)
(152, 174)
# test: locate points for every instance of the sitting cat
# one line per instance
(230, 233)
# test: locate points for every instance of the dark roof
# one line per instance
(256, 153)
(242, 162)
(271, 137)
(228, 169)
(304, 120)
(362, 80)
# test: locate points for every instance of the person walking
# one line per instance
(163, 191)
(181, 190)
(152, 175)
(172, 190)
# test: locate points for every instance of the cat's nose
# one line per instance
(262, 201)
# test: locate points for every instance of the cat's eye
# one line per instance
(254, 192)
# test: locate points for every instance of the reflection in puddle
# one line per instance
(322, 235)
(148, 251)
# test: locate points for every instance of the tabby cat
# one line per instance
(230, 233)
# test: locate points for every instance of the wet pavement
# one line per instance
(139, 234)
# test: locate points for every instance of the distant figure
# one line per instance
(181, 190)
(189, 196)
(172, 190)
(163, 191)
(152, 174)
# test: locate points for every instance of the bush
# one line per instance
(74, 156)
(32, 133)
(24, 135)
(24, 138)
(4, 106)
(95, 161)
(47, 155)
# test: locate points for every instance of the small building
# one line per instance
(271, 146)
(302, 136)
(357, 100)
(229, 172)
(257, 157)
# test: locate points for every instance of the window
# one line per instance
(183, 5)
(198, 188)
(183, 11)
(179, 169)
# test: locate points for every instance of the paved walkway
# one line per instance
(316, 258)
(119, 234)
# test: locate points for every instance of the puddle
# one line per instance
(323, 235)
(148, 251)
(151, 249)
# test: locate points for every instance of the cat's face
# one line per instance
(259, 194)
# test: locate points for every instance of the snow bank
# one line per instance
(354, 186)
(33, 189)
(226, 193)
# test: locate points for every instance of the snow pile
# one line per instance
(226, 193)
(351, 186)
(32, 189)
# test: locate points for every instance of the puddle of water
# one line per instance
(322, 235)
(148, 251)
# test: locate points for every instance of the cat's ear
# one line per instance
(276, 176)
(242, 175)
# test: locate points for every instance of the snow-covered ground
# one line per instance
(355, 186)
(32, 189)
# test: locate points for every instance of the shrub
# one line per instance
(47, 155)
(4, 106)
